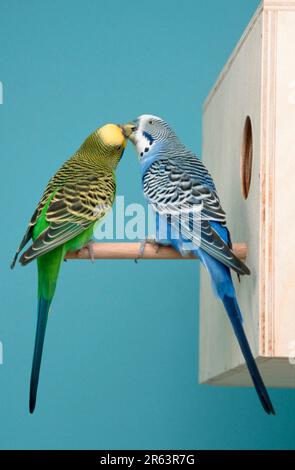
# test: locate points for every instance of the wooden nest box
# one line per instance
(249, 148)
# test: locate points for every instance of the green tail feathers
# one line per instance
(43, 309)
(48, 269)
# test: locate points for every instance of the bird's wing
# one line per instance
(57, 181)
(182, 190)
(71, 210)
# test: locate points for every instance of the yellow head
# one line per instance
(105, 145)
(112, 135)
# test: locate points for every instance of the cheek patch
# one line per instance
(148, 137)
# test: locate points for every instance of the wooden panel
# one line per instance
(284, 213)
(237, 96)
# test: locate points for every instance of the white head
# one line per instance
(147, 132)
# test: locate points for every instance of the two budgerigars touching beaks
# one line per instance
(175, 183)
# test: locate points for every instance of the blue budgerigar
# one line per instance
(180, 189)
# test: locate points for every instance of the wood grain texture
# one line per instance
(128, 250)
(281, 5)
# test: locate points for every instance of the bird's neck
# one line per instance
(161, 151)
(95, 155)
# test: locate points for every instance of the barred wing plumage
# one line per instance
(80, 197)
(182, 186)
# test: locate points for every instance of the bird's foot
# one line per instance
(143, 243)
(89, 247)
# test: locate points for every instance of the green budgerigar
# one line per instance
(75, 199)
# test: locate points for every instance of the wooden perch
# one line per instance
(127, 250)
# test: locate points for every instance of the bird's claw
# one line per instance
(89, 247)
(142, 246)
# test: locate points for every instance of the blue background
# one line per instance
(120, 363)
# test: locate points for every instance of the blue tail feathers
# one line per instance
(223, 286)
(43, 308)
(231, 306)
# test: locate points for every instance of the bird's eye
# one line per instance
(151, 121)
(119, 147)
